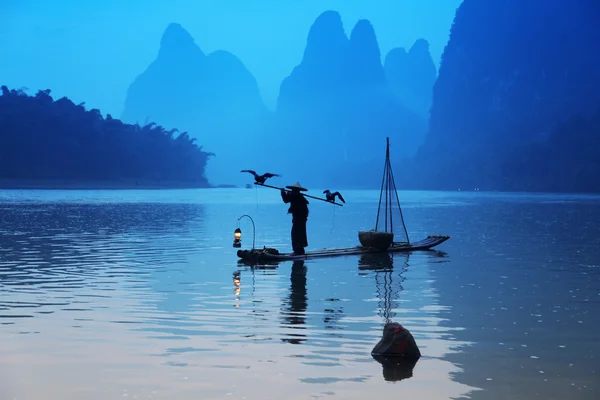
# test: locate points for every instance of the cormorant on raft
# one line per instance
(331, 196)
(260, 179)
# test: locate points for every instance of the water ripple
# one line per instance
(110, 294)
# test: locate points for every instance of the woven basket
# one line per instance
(375, 239)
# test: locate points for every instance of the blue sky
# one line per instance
(91, 50)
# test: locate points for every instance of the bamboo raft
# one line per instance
(265, 255)
(378, 240)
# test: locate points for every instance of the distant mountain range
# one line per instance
(337, 105)
(517, 100)
(515, 106)
(212, 97)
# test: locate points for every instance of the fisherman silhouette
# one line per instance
(299, 210)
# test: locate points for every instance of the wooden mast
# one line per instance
(388, 187)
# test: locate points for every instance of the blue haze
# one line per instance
(92, 51)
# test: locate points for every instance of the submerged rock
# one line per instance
(397, 352)
(397, 341)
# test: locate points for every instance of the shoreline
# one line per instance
(55, 184)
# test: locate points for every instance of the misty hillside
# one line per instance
(213, 97)
(338, 107)
(511, 72)
(411, 76)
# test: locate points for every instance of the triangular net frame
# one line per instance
(387, 197)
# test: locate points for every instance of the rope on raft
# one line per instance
(332, 222)
(256, 190)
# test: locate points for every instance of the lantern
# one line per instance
(237, 238)
(237, 234)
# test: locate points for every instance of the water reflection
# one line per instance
(295, 304)
(333, 315)
(63, 256)
(378, 261)
(396, 369)
(389, 286)
(168, 309)
(247, 264)
(387, 281)
(237, 287)
(526, 292)
(47, 219)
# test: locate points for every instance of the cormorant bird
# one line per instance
(331, 196)
(260, 178)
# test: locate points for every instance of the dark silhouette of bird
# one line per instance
(260, 178)
(331, 196)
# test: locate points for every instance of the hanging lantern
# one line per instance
(237, 238)
(237, 234)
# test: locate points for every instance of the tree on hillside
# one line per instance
(41, 138)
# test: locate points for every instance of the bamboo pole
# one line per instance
(306, 195)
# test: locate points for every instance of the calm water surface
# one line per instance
(112, 294)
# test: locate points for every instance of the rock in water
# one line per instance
(397, 352)
(397, 341)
